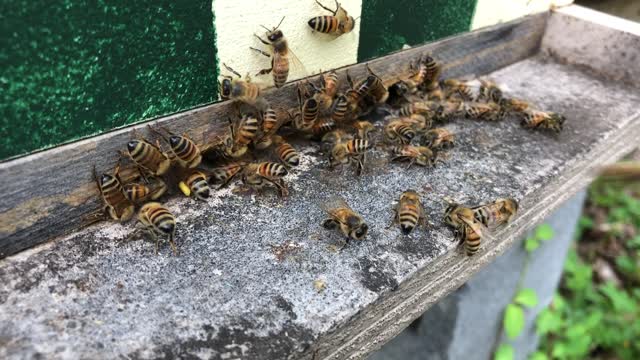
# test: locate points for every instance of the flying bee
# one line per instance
(340, 107)
(489, 92)
(341, 216)
(259, 175)
(281, 55)
(534, 119)
(399, 132)
(116, 204)
(241, 90)
(456, 89)
(438, 138)
(195, 183)
(353, 150)
(223, 175)
(363, 128)
(483, 111)
(338, 24)
(409, 212)
(467, 229)
(184, 150)
(497, 213)
(420, 155)
(286, 153)
(241, 134)
(148, 156)
(158, 221)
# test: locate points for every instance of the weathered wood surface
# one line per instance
(101, 293)
(50, 193)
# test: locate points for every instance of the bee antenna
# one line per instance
(266, 28)
(280, 23)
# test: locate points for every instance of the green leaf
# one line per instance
(544, 232)
(620, 300)
(538, 356)
(530, 244)
(585, 222)
(526, 298)
(513, 320)
(626, 264)
(634, 243)
(548, 321)
(504, 352)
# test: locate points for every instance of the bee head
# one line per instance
(225, 89)
(360, 232)
(274, 36)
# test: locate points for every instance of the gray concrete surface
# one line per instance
(467, 323)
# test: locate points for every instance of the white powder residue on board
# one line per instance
(116, 231)
(306, 163)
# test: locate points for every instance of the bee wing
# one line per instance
(478, 228)
(333, 203)
(295, 65)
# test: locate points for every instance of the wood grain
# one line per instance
(50, 193)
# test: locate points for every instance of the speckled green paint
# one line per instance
(74, 68)
(389, 24)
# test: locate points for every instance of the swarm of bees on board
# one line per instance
(335, 111)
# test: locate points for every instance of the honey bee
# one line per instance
(467, 230)
(340, 107)
(433, 70)
(446, 110)
(456, 89)
(514, 106)
(338, 24)
(241, 90)
(534, 119)
(334, 137)
(241, 134)
(483, 111)
(184, 150)
(195, 183)
(438, 138)
(420, 155)
(286, 153)
(322, 126)
(309, 115)
(116, 204)
(425, 108)
(270, 125)
(489, 92)
(350, 151)
(148, 156)
(425, 72)
(330, 84)
(377, 89)
(158, 221)
(281, 55)
(151, 188)
(497, 213)
(343, 217)
(258, 175)
(223, 175)
(399, 132)
(363, 128)
(409, 212)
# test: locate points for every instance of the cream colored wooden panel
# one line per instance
(491, 12)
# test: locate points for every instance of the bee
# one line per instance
(286, 153)
(241, 90)
(158, 221)
(338, 24)
(515, 106)
(117, 206)
(438, 138)
(350, 151)
(270, 124)
(281, 55)
(184, 150)
(446, 110)
(377, 89)
(534, 119)
(363, 128)
(467, 229)
(343, 217)
(148, 156)
(195, 183)
(335, 137)
(432, 72)
(420, 155)
(310, 110)
(399, 132)
(151, 188)
(241, 134)
(357, 92)
(409, 212)
(489, 92)
(425, 108)
(425, 71)
(258, 175)
(456, 89)
(483, 111)
(330, 84)
(497, 213)
(223, 175)
(340, 108)
(322, 126)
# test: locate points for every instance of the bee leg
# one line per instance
(95, 177)
(173, 245)
(411, 163)
(262, 40)
(261, 52)
(326, 8)
(264, 71)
